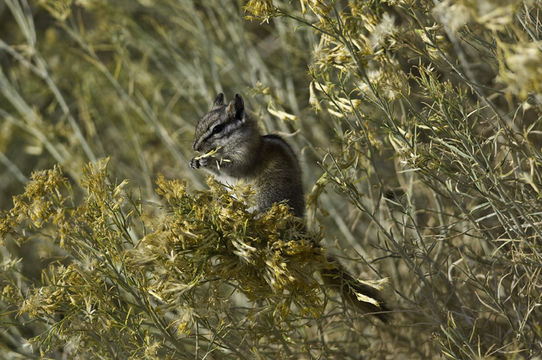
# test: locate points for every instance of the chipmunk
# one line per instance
(234, 149)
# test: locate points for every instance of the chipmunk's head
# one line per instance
(224, 126)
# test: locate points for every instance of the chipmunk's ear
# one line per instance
(219, 101)
(236, 108)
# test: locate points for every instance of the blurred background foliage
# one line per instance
(417, 124)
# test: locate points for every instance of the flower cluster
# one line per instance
(172, 267)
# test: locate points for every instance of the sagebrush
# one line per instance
(417, 124)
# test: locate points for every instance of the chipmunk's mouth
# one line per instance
(209, 153)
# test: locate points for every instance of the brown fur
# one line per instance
(266, 162)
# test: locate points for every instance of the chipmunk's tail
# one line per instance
(363, 297)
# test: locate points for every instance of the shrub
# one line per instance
(423, 118)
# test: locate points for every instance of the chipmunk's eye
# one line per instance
(217, 128)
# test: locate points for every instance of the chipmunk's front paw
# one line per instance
(196, 163)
